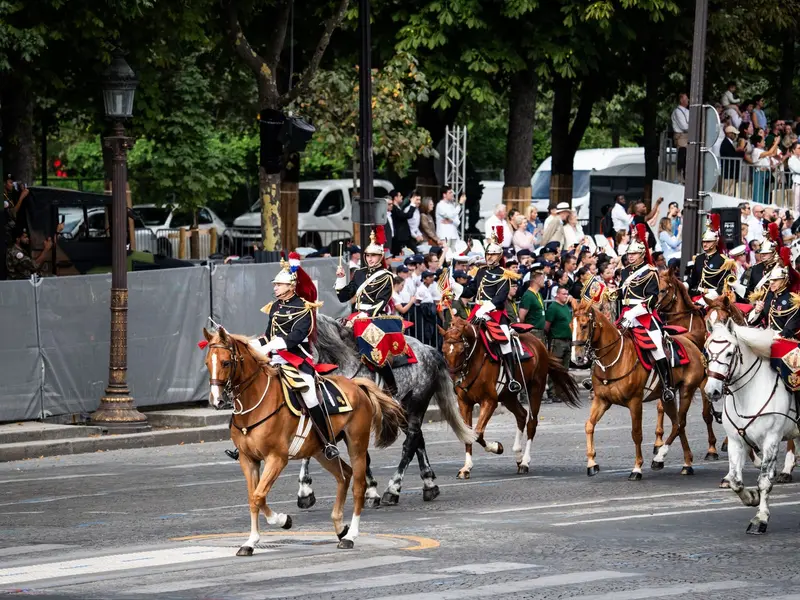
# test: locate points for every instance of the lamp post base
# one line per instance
(117, 414)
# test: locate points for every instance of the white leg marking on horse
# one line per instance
(214, 388)
(428, 483)
(574, 339)
(492, 447)
(662, 453)
(372, 492)
(305, 491)
(352, 533)
(278, 519)
(518, 444)
(788, 463)
(526, 458)
(254, 536)
(395, 483)
(467, 462)
(636, 470)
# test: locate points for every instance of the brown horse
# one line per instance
(479, 380)
(675, 306)
(618, 377)
(264, 432)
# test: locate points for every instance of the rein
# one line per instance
(461, 370)
(595, 353)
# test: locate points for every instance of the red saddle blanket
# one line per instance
(785, 359)
(673, 348)
(491, 348)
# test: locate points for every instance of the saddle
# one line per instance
(673, 348)
(492, 336)
(331, 395)
(785, 359)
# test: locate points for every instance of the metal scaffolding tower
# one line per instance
(455, 165)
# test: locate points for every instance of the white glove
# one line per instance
(257, 346)
(361, 315)
(635, 311)
(341, 282)
(485, 308)
(275, 344)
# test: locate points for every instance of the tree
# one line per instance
(273, 24)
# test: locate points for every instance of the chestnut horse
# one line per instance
(477, 381)
(264, 432)
(618, 377)
(675, 307)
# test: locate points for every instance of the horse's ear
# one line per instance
(731, 325)
(673, 271)
(223, 335)
(207, 335)
(441, 329)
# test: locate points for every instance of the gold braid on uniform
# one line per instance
(727, 265)
(787, 312)
(376, 286)
(795, 299)
(641, 279)
(288, 318)
(757, 295)
(509, 274)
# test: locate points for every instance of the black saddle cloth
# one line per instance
(334, 399)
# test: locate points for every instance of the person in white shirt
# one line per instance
(424, 293)
(729, 99)
(620, 218)
(413, 221)
(416, 267)
(355, 257)
(498, 220)
(794, 167)
(573, 232)
(448, 215)
(680, 131)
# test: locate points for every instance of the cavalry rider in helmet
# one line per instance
(777, 309)
(768, 257)
(287, 340)
(490, 289)
(371, 286)
(712, 268)
(639, 293)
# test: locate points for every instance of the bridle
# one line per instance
(460, 371)
(663, 309)
(234, 392)
(595, 354)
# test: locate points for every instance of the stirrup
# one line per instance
(233, 454)
(667, 393)
(587, 384)
(514, 386)
(330, 452)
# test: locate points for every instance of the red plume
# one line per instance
(380, 235)
(774, 233)
(786, 256)
(202, 344)
(714, 224)
(641, 234)
(499, 233)
(305, 287)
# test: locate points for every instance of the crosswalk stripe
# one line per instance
(485, 568)
(498, 590)
(358, 584)
(309, 568)
(663, 592)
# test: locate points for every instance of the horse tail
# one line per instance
(387, 415)
(565, 386)
(447, 402)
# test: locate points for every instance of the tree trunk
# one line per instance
(786, 77)
(615, 136)
(519, 144)
(270, 193)
(653, 78)
(18, 124)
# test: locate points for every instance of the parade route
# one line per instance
(166, 523)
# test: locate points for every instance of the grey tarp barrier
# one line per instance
(20, 361)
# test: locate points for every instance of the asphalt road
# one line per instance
(166, 523)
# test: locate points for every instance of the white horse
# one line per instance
(758, 410)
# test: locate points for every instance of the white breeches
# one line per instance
(310, 395)
(506, 348)
(658, 340)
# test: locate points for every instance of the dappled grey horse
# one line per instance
(417, 385)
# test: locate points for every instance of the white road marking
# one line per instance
(14, 550)
(674, 590)
(353, 584)
(195, 465)
(113, 563)
(670, 513)
(486, 568)
(54, 477)
(308, 568)
(505, 589)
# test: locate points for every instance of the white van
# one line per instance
(324, 210)
(598, 175)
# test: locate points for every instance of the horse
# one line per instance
(417, 385)
(676, 308)
(264, 432)
(622, 381)
(739, 373)
(479, 380)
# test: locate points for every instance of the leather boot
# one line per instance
(233, 454)
(389, 382)
(320, 419)
(665, 374)
(514, 386)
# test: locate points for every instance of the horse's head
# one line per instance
(721, 348)
(667, 290)
(457, 341)
(722, 309)
(584, 324)
(224, 362)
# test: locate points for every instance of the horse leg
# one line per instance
(663, 448)
(737, 455)
(273, 465)
(683, 411)
(635, 408)
(357, 448)
(392, 494)
(708, 417)
(724, 447)
(305, 493)
(465, 408)
(599, 408)
(521, 415)
(342, 473)
(250, 469)
(657, 445)
(487, 410)
(429, 488)
(785, 476)
(372, 497)
(769, 460)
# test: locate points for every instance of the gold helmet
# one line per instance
(376, 242)
(494, 247)
(285, 275)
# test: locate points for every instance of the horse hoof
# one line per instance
(343, 532)
(593, 470)
(390, 499)
(306, 501)
(656, 449)
(345, 545)
(757, 528)
(725, 484)
(783, 478)
(288, 524)
(635, 476)
(245, 551)
(724, 447)
(712, 456)
(463, 475)
(656, 466)
(499, 448)
(372, 502)
(687, 471)
(429, 494)
(522, 469)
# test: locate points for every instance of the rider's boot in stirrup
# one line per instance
(513, 385)
(389, 382)
(665, 374)
(321, 421)
(587, 384)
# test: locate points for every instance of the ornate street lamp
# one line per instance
(117, 412)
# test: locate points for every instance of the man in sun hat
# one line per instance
(554, 232)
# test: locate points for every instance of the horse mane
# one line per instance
(681, 291)
(333, 340)
(260, 359)
(758, 340)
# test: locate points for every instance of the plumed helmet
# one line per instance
(711, 234)
(377, 239)
(779, 272)
(494, 247)
(285, 275)
(638, 243)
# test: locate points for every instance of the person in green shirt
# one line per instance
(558, 320)
(531, 308)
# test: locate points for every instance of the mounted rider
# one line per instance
(709, 276)
(639, 295)
(758, 278)
(371, 289)
(490, 288)
(291, 329)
